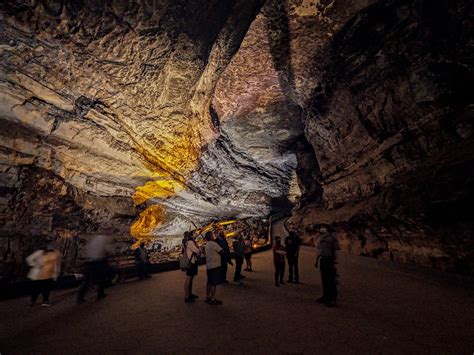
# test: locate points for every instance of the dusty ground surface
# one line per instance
(383, 308)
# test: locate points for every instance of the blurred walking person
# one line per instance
(279, 261)
(96, 252)
(45, 267)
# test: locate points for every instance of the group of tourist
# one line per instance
(218, 257)
(45, 264)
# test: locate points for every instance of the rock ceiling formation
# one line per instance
(143, 117)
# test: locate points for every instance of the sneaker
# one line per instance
(30, 306)
(238, 283)
(193, 296)
(46, 304)
(189, 300)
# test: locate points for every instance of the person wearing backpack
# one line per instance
(193, 254)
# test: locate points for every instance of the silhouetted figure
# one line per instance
(326, 257)
(238, 245)
(95, 267)
(292, 246)
(193, 253)
(225, 255)
(279, 261)
(45, 267)
(141, 261)
(213, 268)
(248, 253)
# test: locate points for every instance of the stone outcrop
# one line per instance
(391, 126)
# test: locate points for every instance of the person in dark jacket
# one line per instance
(292, 246)
(279, 261)
(141, 261)
(225, 255)
(326, 258)
(238, 245)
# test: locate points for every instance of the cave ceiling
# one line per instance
(192, 106)
(149, 116)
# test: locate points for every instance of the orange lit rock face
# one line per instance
(114, 98)
(149, 220)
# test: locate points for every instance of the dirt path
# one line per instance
(382, 309)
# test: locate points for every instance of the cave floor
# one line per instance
(383, 308)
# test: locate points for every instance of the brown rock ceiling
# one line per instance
(195, 110)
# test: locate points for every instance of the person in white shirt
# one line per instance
(193, 253)
(45, 268)
(213, 267)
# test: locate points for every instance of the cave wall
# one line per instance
(118, 113)
(390, 123)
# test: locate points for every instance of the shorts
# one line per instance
(192, 270)
(214, 276)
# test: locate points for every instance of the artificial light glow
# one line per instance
(150, 219)
(156, 189)
(223, 223)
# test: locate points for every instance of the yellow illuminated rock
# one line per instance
(149, 220)
(156, 189)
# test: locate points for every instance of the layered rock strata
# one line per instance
(391, 126)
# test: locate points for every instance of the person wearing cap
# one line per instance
(279, 261)
(45, 267)
(326, 257)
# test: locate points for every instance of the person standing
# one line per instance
(141, 261)
(193, 253)
(213, 268)
(45, 267)
(292, 246)
(279, 261)
(326, 258)
(248, 253)
(238, 245)
(96, 251)
(225, 255)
